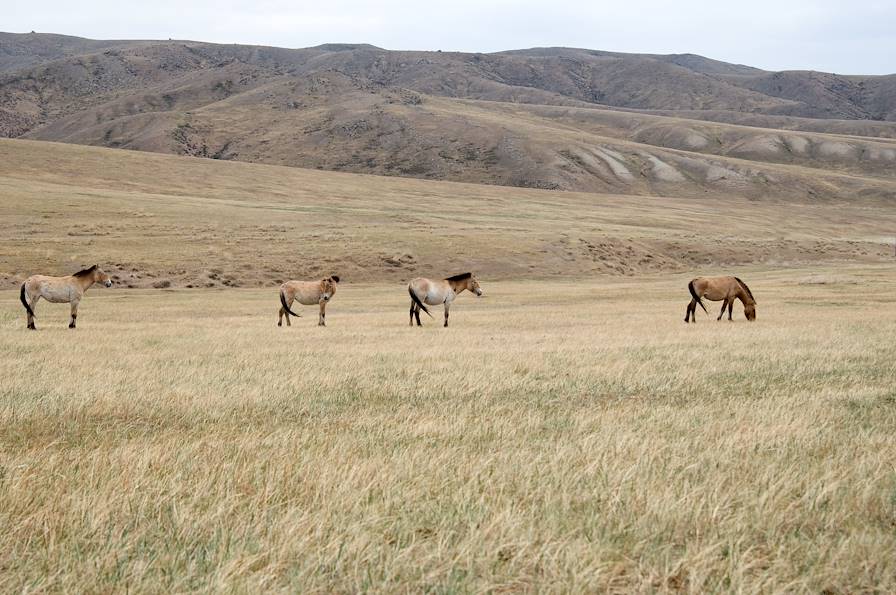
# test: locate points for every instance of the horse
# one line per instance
(426, 291)
(307, 293)
(720, 288)
(60, 290)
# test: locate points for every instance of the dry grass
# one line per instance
(558, 437)
(197, 222)
(568, 433)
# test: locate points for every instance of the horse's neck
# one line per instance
(85, 283)
(744, 297)
(457, 286)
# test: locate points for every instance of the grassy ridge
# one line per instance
(151, 219)
(559, 436)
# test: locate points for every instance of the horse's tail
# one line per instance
(285, 307)
(418, 302)
(25, 302)
(695, 296)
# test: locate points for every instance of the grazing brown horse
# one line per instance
(307, 293)
(60, 290)
(726, 289)
(426, 291)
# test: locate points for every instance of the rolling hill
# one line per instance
(173, 221)
(550, 118)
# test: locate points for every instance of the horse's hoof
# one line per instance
(279, 324)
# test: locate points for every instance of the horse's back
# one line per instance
(419, 285)
(35, 282)
(430, 292)
(306, 293)
(715, 288)
(52, 289)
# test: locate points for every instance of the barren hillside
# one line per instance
(551, 118)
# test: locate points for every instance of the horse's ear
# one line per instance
(335, 278)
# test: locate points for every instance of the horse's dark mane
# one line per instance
(460, 277)
(747, 289)
(85, 272)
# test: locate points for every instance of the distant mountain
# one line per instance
(30, 49)
(561, 118)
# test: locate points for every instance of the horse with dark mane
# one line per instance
(724, 289)
(60, 290)
(427, 291)
(307, 293)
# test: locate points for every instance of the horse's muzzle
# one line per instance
(108, 283)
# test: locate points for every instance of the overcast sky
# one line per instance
(856, 37)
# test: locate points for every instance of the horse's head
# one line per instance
(100, 276)
(94, 275)
(750, 311)
(473, 285)
(328, 287)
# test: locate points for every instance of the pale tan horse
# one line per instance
(60, 290)
(725, 289)
(427, 291)
(307, 293)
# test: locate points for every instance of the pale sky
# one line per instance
(856, 37)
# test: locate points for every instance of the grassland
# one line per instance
(567, 433)
(155, 219)
(560, 436)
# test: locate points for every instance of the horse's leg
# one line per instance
(730, 308)
(411, 319)
(322, 320)
(280, 316)
(446, 313)
(32, 302)
(288, 322)
(724, 305)
(688, 310)
(74, 313)
(417, 314)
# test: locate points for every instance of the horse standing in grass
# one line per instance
(307, 293)
(60, 290)
(426, 291)
(726, 289)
